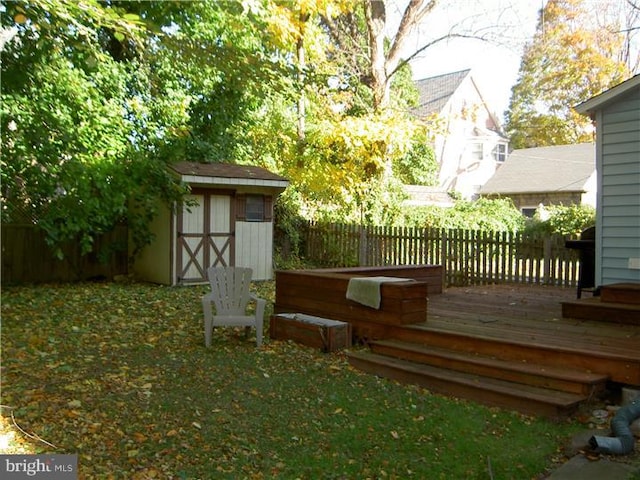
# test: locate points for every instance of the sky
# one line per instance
(494, 65)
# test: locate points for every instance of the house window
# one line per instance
(254, 208)
(500, 152)
(477, 151)
(529, 212)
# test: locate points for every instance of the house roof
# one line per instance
(228, 174)
(563, 168)
(435, 92)
(420, 195)
(600, 101)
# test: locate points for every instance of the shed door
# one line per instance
(205, 236)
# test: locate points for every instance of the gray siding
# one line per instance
(619, 134)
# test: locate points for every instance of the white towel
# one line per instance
(366, 290)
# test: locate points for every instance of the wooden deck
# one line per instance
(530, 314)
(508, 345)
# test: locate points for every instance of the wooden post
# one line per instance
(443, 257)
(547, 260)
(362, 254)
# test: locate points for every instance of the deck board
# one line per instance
(477, 340)
(525, 311)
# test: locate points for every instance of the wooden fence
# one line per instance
(468, 257)
(26, 257)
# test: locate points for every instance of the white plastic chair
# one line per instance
(230, 294)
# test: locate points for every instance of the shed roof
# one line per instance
(562, 168)
(228, 174)
(435, 92)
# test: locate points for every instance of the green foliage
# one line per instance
(565, 220)
(96, 103)
(350, 164)
(483, 214)
(217, 57)
(346, 171)
(405, 94)
(289, 226)
(572, 57)
(418, 166)
(78, 146)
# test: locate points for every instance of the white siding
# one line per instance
(254, 246)
(619, 208)
(468, 123)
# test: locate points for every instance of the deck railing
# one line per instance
(469, 257)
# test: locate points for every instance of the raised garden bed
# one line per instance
(318, 332)
(322, 292)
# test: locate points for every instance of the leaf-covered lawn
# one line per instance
(118, 373)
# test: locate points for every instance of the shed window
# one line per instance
(254, 208)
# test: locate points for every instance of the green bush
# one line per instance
(565, 220)
(483, 214)
(289, 225)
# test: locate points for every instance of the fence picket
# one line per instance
(468, 257)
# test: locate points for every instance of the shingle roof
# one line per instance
(225, 170)
(563, 168)
(423, 195)
(434, 92)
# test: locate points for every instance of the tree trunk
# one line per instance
(385, 64)
(376, 16)
(301, 99)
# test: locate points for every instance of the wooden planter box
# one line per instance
(322, 292)
(323, 333)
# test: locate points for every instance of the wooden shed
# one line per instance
(616, 114)
(226, 220)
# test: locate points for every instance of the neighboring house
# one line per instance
(564, 174)
(468, 141)
(230, 223)
(616, 114)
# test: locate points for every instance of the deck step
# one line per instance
(597, 309)
(490, 391)
(627, 293)
(536, 347)
(545, 376)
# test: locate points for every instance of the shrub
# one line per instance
(482, 214)
(565, 220)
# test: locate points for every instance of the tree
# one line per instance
(570, 59)
(348, 168)
(346, 164)
(69, 160)
(385, 62)
(97, 103)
